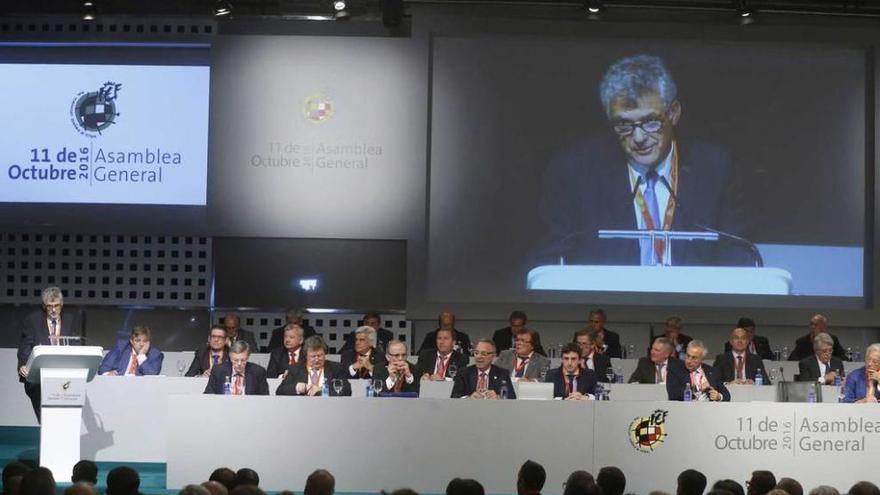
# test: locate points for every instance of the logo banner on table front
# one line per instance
(731, 440)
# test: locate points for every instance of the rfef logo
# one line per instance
(94, 112)
(648, 432)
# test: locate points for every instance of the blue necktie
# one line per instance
(651, 199)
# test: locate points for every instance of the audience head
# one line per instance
(777, 491)
(691, 481)
(215, 487)
(224, 476)
(217, 338)
(293, 336)
(294, 315)
(459, 486)
(824, 490)
(396, 352)
(581, 483)
(729, 485)
(38, 482)
(140, 338)
(14, 468)
(517, 321)
(194, 490)
(526, 340)
(818, 324)
(760, 483)
(239, 353)
(85, 470)
(739, 340)
(872, 357)
(446, 319)
(12, 486)
(247, 476)
(123, 480)
(696, 352)
(247, 490)
(584, 340)
(531, 478)
(364, 339)
(748, 324)
(864, 488)
(715, 491)
(661, 350)
(596, 319)
(81, 488)
(232, 323)
(791, 486)
(320, 482)
(823, 346)
(611, 480)
(484, 353)
(316, 351)
(372, 320)
(53, 302)
(444, 341)
(672, 327)
(571, 359)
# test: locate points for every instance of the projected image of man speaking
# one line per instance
(642, 175)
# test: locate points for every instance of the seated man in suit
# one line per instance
(360, 362)
(244, 378)
(672, 331)
(442, 363)
(383, 337)
(505, 338)
(294, 316)
(211, 354)
(702, 379)
(571, 381)
(289, 354)
(822, 366)
(446, 321)
(758, 344)
(134, 356)
(590, 359)
(524, 362)
(398, 375)
(606, 341)
(483, 380)
(308, 377)
(654, 369)
(740, 366)
(234, 332)
(43, 327)
(863, 384)
(803, 347)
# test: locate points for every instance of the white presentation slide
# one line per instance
(110, 134)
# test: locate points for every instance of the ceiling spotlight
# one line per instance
(743, 8)
(338, 5)
(88, 11)
(593, 6)
(222, 8)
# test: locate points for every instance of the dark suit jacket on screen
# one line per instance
(254, 379)
(383, 337)
(279, 361)
(466, 382)
(646, 371)
(202, 361)
(683, 340)
(462, 342)
(762, 347)
(35, 331)
(708, 194)
(299, 374)
(586, 382)
(803, 347)
(120, 356)
(276, 340)
(808, 368)
(428, 362)
(381, 373)
(612, 341)
(601, 362)
(348, 358)
(678, 376)
(726, 366)
(247, 336)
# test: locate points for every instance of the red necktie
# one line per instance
(237, 389)
(132, 364)
(659, 377)
(483, 382)
(441, 365)
(291, 357)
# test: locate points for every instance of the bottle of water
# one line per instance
(371, 392)
(688, 395)
(227, 386)
(503, 390)
(849, 354)
(325, 390)
(857, 355)
(759, 377)
(619, 375)
(837, 380)
(631, 351)
(811, 395)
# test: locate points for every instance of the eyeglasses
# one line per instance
(483, 353)
(651, 126)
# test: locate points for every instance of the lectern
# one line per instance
(62, 372)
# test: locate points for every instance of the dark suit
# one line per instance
(349, 357)
(726, 366)
(299, 374)
(601, 363)
(678, 376)
(762, 347)
(803, 347)
(119, 358)
(383, 337)
(381, 373)
(202, 361)
(34, 332)
(427, 362)
(808, 368)
(707, 194)
(683, 340)
(276, 340)
(586, 382)
(646, 371)
(462, 342)
(612, 343)
(279, 361)
(254, 379)
(466, 382)
(503, 338)
(248, 337)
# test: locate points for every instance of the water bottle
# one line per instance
(631, 351)
(688, 395)
(837, 380)
(325, 390)
(227, 387)
(849, 354)
(503, 390)
(371, 392)
(759, 377)
(619, 373)
(811, 395)
(857, 355)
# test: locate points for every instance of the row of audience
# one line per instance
(20, 479)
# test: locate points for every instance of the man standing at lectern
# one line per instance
(640, 176)
(43, 327)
